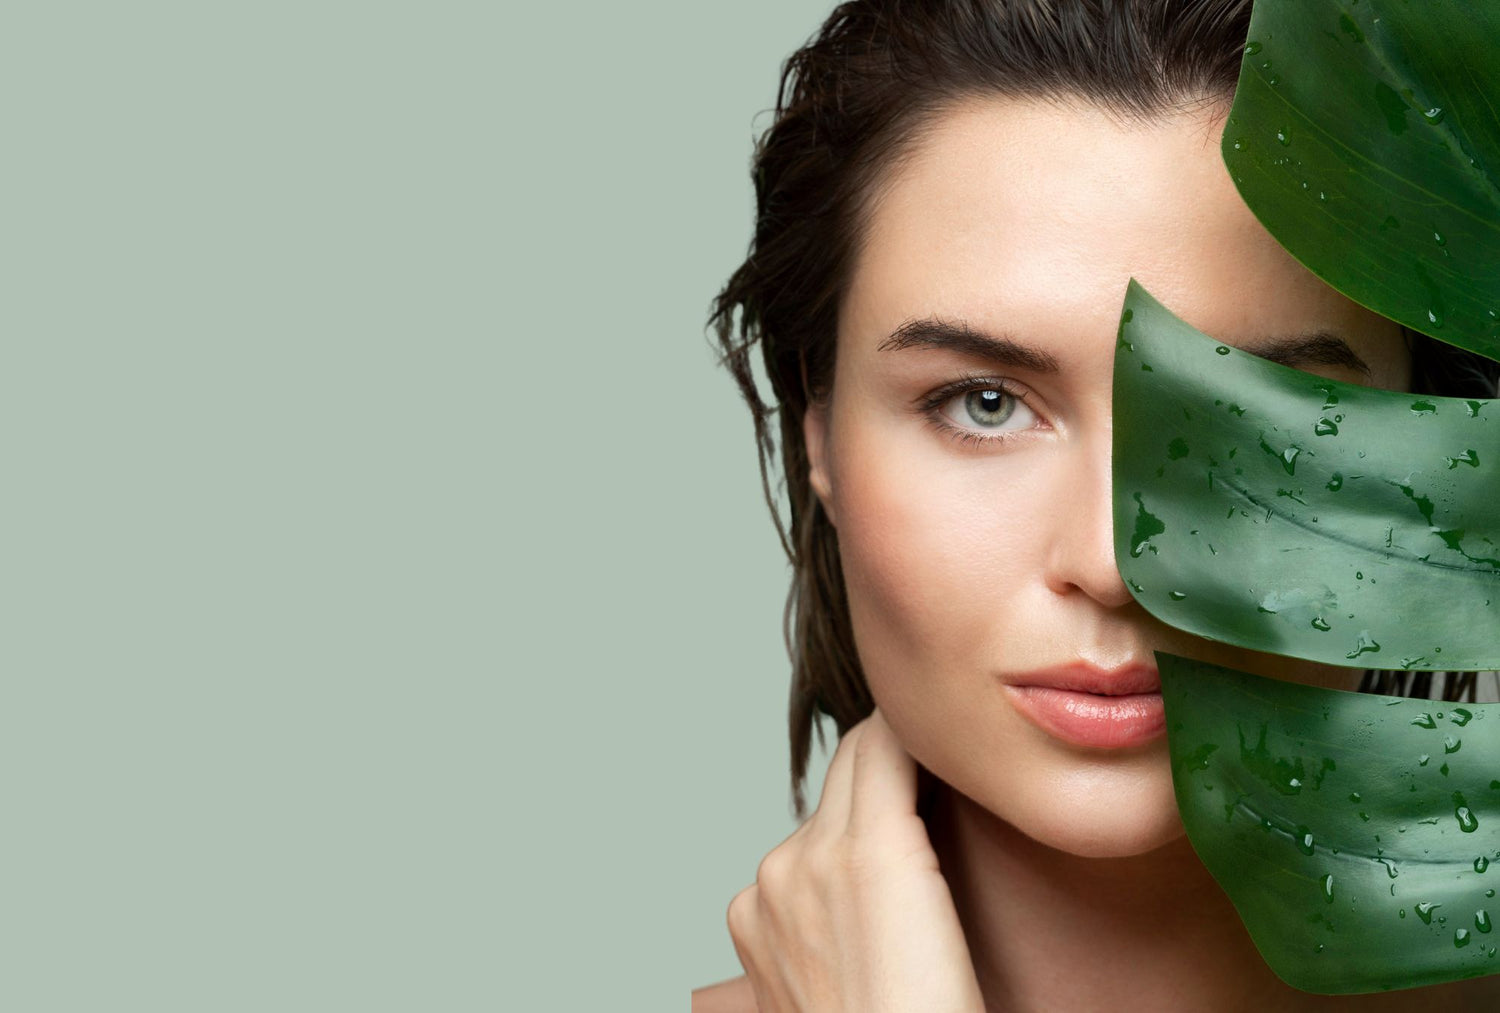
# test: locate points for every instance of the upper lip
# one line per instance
(1082, 677)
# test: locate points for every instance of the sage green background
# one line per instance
(392, 618)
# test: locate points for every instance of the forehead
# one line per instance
(1030, 216)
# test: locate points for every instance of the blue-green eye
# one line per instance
(985, 411)
(989, 407)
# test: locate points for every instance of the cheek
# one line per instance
(937, 545)
(944, 556)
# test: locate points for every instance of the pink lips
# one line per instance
(1088, 706)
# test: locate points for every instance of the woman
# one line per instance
(952, 199)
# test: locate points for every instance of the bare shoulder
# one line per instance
(732, 996)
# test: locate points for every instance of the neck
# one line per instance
(1048, 930)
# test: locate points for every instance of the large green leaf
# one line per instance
(1277, 510)
(1365, 135)
(1354, 833)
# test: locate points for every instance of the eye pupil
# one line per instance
(989, 407)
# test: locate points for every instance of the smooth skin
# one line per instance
(1045, 875)
(859, 875)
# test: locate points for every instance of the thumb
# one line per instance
(885, 777)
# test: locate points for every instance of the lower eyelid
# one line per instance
(972, 437)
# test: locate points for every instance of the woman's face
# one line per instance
(975, 528)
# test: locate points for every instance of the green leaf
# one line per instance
(1365, 135)
(1354, 833)
(1281, 511)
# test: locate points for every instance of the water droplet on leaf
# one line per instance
(1365, 644)
(1467, 821)
(1147, 524)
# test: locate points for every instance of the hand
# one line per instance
(851, 912)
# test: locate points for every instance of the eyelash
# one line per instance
(930, 408)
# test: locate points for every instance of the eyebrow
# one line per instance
(1318, 348)
(960, 337)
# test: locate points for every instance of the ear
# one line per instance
(815, 437)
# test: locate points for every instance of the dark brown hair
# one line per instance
(852, 102)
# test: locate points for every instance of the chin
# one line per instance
(1090, 813)
(1122, 838)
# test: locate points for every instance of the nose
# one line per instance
(1080, 556)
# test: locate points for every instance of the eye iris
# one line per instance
(989, 407)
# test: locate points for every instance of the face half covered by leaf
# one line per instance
(1365, 136)
(1283, 512)
(1354, 833)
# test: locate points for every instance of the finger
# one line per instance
(743, 918)
(747, 935)
(884, 782)
(832, 814)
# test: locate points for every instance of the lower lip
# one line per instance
(1092, 719)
